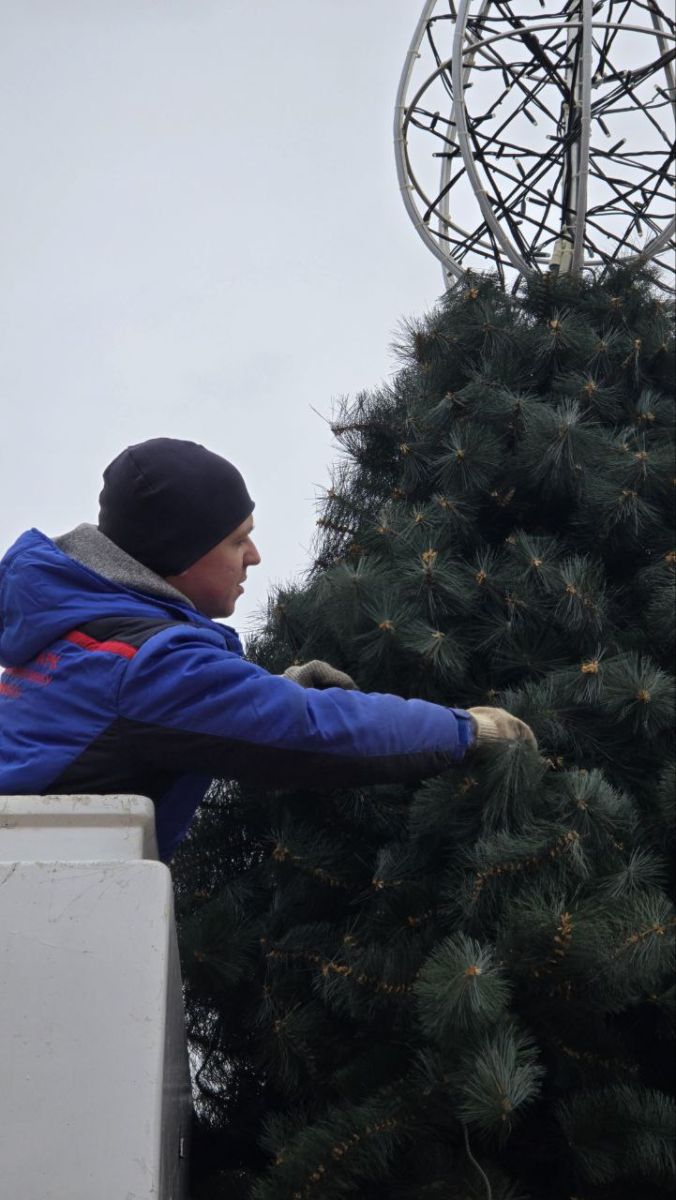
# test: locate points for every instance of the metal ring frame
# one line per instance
(596, 200)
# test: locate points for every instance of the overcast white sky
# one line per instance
(202, 237)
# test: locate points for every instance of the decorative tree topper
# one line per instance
(537, 139)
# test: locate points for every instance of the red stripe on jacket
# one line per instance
(87, 643)
(13, 693)
(31, 676)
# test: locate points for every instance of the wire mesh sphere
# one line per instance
(529, 139)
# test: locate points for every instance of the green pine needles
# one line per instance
(465, 990)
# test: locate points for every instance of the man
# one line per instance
(118, 678)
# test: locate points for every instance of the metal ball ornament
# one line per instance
(534, 139)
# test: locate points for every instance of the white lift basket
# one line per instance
(94, 1081)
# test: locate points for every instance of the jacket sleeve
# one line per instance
(187, 703)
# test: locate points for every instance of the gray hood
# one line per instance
(88, 546)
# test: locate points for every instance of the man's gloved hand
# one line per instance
(494, 724)
(318, 674)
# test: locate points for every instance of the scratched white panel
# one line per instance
(76, 827)
(94, 1095)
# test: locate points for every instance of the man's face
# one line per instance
(214, 582)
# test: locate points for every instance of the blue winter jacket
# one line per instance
(114, 682)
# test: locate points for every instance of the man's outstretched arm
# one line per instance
(185, 703)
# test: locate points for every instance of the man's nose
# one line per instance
(253, 557)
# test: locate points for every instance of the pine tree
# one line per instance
(465, 989)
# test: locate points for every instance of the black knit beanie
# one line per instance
(167, 502)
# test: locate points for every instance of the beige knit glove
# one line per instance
(318, 674)
(494, 724)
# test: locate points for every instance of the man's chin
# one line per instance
(218, 612)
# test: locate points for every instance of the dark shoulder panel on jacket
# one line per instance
(133, 631)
